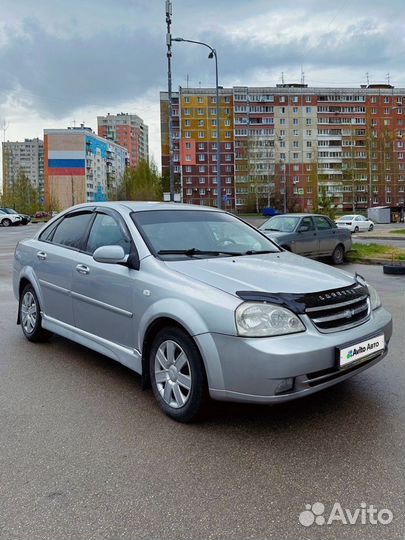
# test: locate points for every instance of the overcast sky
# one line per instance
(63, 61)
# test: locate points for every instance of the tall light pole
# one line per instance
(213, 54)
(169, 94)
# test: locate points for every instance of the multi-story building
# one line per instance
(26, 157)
(80, 166)
(287, 145)
(129, 131)
(195, 144)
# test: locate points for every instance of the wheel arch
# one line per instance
(151, 332)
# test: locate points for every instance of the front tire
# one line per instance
(356, 229)
(177, 375)
(371, 227)
(30, 316)
(6, 222)
(338, 255)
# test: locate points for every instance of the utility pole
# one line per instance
(169, 94)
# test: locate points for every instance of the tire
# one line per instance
(356, 229)
(6, 222)
(30, 316)
(371, 227)
(338, 255)
(395, 269)
(177, 375)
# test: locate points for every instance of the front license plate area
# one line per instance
(360, 351)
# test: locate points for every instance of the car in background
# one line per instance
(25, 219)
(6, 220)
(355, 223)
(311, 235)
(41, 214)
(198, 302)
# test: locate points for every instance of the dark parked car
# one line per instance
(24, 218)
(312, 235)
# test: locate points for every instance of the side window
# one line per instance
(322, 223)
(72, 230)
(307, 222)
(106, 231)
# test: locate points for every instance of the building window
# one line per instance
(201, 180)
(189, 192)
(282, 121)
(201, 134)
(200, 112)
(282, 99)
(186, 99)
(200, 99)
(308, 121)
(187, 123)
(188, 146)
(202, 191)
(188, 157)
(228, 134)
(187, 112)
(201, 169)
(201, 146)
(188, 134)
(188, 169)
(228, 146)
(201, 157)
(201, 123)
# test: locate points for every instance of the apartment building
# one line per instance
(284, 145)
(26, 157)
(129, 131)
(80, 166)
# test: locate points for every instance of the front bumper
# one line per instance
(268, 370)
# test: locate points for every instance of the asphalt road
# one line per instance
(85, 453)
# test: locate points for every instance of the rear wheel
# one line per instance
(6, 222)
(30, 316)
(338, 254)
(177, 375)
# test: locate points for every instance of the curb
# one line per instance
(368, 237)
(369, 260)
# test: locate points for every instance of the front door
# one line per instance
(103, 294)
(307, 241)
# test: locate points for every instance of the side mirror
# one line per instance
(110, 254)
(303, 228)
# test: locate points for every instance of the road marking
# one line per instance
(7, 254)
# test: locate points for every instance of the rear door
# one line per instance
(54, 257)
(307, 242)
(103, 294)
(327, 234)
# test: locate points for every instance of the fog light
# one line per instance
(285, 385)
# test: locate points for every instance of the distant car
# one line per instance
(24, 218)
(6, 220)
(41, 214)
(311, 235)
(355, 223)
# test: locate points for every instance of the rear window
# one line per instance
(72, 230)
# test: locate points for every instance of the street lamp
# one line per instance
(212, 54)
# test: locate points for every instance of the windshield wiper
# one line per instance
(258, 252)
(194, 251)
(270, 229)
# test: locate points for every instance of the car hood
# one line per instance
(281, 272)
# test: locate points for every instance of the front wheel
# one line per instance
(6, 222)
(30, 316)
(338, 254)
(356, 229)
(371, 227)
(177, 375)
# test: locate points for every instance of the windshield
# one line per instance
(199, 233)
(280, 223)
(346, 218)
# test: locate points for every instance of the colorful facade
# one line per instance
(80, 166)
(129, 131)
(286, 146)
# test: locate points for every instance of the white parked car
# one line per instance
(9, 219)
(355, 223)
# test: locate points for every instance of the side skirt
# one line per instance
(124, 355)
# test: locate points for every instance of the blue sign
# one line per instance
(225, 198)
(41, 200)
(99, 196)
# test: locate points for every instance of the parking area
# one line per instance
(86, 453)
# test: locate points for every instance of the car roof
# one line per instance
(302, 214)
(139, 206)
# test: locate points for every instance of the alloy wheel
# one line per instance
(29, 312)
(172, 374)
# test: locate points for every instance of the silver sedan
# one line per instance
(198, 302)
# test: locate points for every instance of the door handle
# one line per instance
(41, 255)
(83, 269)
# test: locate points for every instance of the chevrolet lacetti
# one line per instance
(198, 302)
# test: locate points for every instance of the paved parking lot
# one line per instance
(85, 453)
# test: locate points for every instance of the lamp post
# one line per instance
(169, 95)
(212, 54)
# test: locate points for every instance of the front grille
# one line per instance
(340, 316)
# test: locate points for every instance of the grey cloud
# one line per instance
(58, 73)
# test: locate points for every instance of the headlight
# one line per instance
(374, 298)
(255, 319)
